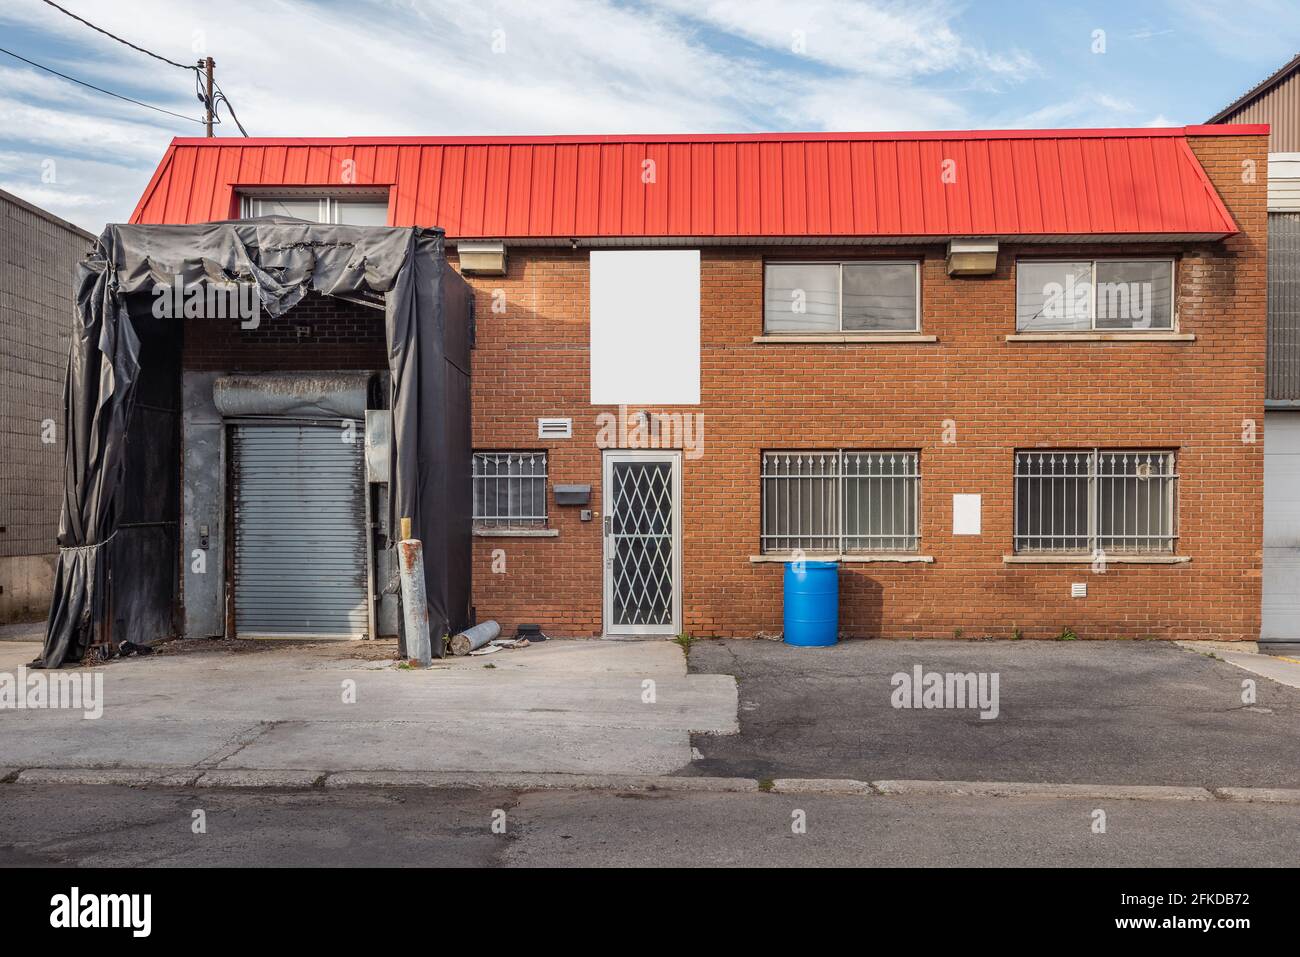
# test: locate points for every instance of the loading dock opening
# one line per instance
(117, 372)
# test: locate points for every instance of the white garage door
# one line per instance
(1281, 619)
(300, 548)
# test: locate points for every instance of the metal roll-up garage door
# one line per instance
(300, 548)
(1281, 617)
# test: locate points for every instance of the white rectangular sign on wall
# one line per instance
(965, 514)
(645, 327)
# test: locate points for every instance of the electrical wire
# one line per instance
(99, 89)
(113, 36)
(218, 97)
(222, 98)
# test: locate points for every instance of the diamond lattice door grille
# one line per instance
(643, 543)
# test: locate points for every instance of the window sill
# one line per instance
(848, 559)
(844, 338)
(516, 533)
(1088, 559)
(1102, 337)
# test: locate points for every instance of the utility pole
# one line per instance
(207, 65)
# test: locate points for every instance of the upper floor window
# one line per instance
(1102, 295)
(839, 297)
(367, 211)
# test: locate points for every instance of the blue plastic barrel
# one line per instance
(812, 604)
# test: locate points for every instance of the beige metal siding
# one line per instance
(1280, 108)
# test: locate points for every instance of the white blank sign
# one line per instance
(965, 514)
(645, 327)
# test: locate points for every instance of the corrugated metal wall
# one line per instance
(1284, 306)
(38, 254)
(1279, 107)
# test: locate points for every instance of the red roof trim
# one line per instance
(1224, 129)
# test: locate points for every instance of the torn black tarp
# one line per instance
(427, 321)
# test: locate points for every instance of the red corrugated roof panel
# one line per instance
(915, 185)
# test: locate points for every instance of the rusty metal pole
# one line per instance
(415, 604)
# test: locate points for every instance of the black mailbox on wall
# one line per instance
(572, 494)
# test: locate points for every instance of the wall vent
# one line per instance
(555, 428)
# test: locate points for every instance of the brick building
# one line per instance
(1013, 382)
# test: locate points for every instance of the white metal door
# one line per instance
(643, 532)
(1281, 609)
(300, 549)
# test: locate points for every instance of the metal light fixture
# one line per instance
(482, 258)
(972, 257)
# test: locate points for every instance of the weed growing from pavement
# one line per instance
(684, 641)
(766, 785)
(1067, 634)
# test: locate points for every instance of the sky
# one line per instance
(387, 67)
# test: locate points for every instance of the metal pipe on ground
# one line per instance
(472, 639)
(415, 603)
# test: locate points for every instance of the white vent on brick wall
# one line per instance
(555, 428)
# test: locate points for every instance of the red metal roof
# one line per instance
(1002, 183)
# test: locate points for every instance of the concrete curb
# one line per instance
(1124, 792)
(1259, 795)
(242, 778)
(525, 781)
(531, 781)
(821, 786)
(124, 777)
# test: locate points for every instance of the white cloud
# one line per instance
(1243, 29)
(887, 40)
(512, 66)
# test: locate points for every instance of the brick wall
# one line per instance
(318, 334)
(532, 360)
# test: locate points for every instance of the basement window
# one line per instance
(509, 490)
(1091, 501)
(841, 502)
(1102, 295)
(367, 211)
(842, 297)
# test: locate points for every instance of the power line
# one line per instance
(210, 108)
(113, 36)
(222, 98)
(98, 89)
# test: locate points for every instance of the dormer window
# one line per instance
(368, 210)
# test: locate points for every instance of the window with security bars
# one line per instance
(841, 502)
(510, 489)
(1082, 501)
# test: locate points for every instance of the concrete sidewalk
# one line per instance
(576, 707)
(1082, 712)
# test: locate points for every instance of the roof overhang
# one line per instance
(603, 242)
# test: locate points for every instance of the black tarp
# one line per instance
(427, 321)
